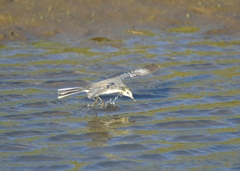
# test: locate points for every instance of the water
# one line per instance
(186, 116)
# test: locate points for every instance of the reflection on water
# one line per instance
(186, 116)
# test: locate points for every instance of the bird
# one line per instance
(113, 85)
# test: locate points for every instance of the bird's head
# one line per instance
(127, 92)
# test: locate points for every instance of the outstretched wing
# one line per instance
(148, 69)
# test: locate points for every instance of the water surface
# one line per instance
(186, 116)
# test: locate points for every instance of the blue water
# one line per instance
(186, 117)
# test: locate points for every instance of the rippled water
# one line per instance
(187, 114)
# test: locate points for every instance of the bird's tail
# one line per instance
(64, 92)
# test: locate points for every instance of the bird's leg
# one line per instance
(96, 100)
(103, 104)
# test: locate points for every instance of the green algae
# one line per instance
(183, 29)
(218, 43)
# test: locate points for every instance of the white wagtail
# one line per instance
(109, 86)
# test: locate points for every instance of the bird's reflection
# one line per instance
(103, 127)
(99, 123)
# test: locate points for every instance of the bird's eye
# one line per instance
(127, 92)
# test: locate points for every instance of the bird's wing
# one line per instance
(96, 90)
(148, 69)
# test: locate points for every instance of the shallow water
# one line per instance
(186, 117)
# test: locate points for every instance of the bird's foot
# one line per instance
(103, 106)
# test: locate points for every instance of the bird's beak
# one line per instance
(132, 98)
